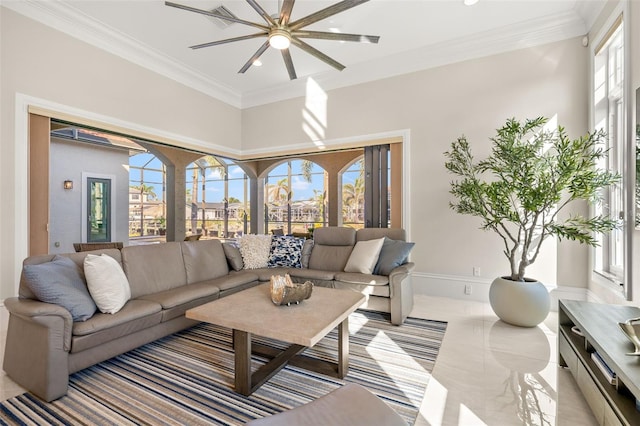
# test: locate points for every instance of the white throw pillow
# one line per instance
(364, 256)
(255, 250)
(107, 283)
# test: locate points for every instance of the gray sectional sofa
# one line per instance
(44, 345)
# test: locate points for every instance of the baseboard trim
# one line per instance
(453, 286)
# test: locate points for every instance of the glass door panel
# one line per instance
(99, 210)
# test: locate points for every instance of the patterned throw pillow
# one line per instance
(285, 252)
(255, 250)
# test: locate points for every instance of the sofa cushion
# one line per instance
(255, 250)
(364, 256)
(393, 254)
(61, 282)
(176, 301)
(204, 260)
(302, 274)
(372, 285)
(178, 296)
(334, 236)
(329, 258)
(135, 315)
(154, 267)
(264, 274)
(285, 252)
(358, 278)
(234, 257)
(107, 283)
(375, 233)
(235, 280)
(332, 247)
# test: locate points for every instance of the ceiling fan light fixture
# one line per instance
(470, 2)
(279, 39)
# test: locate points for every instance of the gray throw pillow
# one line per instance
(306, 253)
(61, 282)
(393, 254)
(234, 257)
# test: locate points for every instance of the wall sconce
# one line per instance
(68, 184)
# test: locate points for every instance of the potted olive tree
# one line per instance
(518, 192)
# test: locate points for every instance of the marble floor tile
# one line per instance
(494, 374)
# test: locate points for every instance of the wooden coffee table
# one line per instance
(251, 311)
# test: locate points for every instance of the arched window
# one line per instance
(353, 194)
(147, 201)
(217, 198)
(295, 197)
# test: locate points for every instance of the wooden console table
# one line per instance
(611, 404)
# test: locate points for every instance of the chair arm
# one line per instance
(37, 312)
(401, 292)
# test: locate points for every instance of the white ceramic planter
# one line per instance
(521, 303)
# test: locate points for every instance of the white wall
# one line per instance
(438, 105)
(43, 63)
(69, 160)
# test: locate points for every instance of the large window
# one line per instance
(295, 197)
(609, 115)
(217, 200)
(366, 190)
(147, 204)
(353, 195)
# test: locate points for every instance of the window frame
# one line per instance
(611, 260)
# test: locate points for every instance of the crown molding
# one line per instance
(71, 21)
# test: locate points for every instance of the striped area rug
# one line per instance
(187, 378)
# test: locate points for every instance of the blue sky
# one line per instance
(302, 189)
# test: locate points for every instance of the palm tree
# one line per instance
(149, 191)
(278, 193)
(146, 189)
(306, 167)
(353, 196)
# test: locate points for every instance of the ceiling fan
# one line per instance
(281, 33)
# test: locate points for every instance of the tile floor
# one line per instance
(487, 372)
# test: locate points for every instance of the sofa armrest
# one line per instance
(401, 292)
(37, 347)
(36, 311)
(402, 270)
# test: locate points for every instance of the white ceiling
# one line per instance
(414, 35)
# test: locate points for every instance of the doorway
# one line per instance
(98, 210)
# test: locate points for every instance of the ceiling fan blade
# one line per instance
(286, 55)
(228, 40)
(318, 54)
(255, 56)
(325, 13)
(215, 15)
(262, 13)
(285, 12)
(322, 35)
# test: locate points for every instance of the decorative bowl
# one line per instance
(285, 292)
(631, 329)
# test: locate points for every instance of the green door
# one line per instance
(99, 210)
